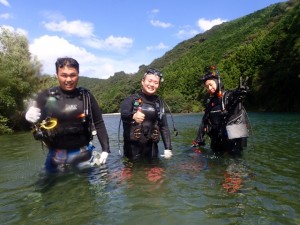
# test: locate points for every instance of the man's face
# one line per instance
(67, 78)
(150, 83)
(211, 86)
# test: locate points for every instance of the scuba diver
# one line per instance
(225, 119)
(66, 118)
(144, 120)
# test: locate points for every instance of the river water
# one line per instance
(193, 187)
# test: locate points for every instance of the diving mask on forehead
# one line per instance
(156, 73)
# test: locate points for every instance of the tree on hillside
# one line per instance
(17, 77)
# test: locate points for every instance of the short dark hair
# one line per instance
(66, 61)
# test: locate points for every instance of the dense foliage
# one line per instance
(17, 78)
(264, 46)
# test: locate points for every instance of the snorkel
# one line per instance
(213, 74)
(215, 71)
(220, 94)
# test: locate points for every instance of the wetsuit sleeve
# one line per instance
(99, 125)
(126, 110)
(165, 132)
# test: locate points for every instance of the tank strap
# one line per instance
(224, 100)
(137, 102)
(160, 108)
(87, 111)
(54, 92)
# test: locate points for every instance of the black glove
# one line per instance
(197, 143)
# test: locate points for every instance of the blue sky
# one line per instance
(108, 36)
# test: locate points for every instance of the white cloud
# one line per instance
(5, 16)
(4, 2)
(207, 24)
(76, 27)
(52, 15)
(16, 30)
(186, 32)
(85, 30)
(110, 43)
(154, 11)
(160, 46)
(157, 23)
(118, 42)
(49, 48)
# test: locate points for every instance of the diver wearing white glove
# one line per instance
(33, 114)
(167, 154)
(103, 157)
(99, 158)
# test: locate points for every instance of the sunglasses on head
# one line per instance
(154, 72)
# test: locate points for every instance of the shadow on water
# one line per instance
(193, 187)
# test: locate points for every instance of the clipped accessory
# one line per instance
(45, 129)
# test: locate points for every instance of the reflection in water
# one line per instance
(94, 175)
(155, 174)
(198, 161)
(153, 171)
(236, 175)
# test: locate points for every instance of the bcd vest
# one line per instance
(149, 129)
(72, 112)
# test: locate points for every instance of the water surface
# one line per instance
(193, 187)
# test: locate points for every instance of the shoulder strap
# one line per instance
(160, 108)
(82, 89)
(224, 100)
(54, 92)
(87, 110)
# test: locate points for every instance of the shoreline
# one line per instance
(111, 114)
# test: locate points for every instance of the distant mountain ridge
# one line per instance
(264, 46)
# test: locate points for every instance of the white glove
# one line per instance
(33, 114)
(103, 157)
(167, 154)
(98, 158)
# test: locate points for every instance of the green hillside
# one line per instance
(264, 45)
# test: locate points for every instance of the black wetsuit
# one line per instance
(219, 114)
(73, 130)
(140, 140)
